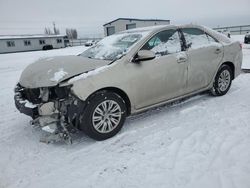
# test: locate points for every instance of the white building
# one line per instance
(16, 43)
(122, 24)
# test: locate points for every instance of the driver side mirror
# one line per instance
(189, 45)
(144, 55)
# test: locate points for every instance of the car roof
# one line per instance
(160, 27)
(152, 29)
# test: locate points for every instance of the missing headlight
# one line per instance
(62, 92)
(54, 93)
(44, 94)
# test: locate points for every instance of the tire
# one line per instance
(47, 47)
(101, 124)
(222, 81)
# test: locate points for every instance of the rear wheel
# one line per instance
(104, 115)
(223, 81)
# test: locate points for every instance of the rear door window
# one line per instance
(196, 38)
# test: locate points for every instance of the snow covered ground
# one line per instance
(202, 142)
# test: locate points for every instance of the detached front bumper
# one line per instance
(58, 116)
(23, 105)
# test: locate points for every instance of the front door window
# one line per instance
(164, 43)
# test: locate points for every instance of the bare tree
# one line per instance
(56, 30)
(47, 31)
(74, 33)
(71, 33)
(68, 33)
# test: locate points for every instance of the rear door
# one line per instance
(204, 55)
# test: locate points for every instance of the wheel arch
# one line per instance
(232, 66)
(118, 91)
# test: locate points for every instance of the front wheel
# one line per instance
(103, 116)
(223, 81)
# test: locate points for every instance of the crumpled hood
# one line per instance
(51, 71)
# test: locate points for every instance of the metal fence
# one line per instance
(81, 42)
(235, 30)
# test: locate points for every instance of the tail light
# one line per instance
(241, 46)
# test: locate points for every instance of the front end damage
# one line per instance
(54, 109)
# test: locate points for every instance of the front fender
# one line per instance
(115, 77)
(82, 89)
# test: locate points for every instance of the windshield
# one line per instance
(114, 46)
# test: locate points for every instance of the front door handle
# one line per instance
(217, 51)
(181, 60)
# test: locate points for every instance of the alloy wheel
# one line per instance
(224, 80)
(106, 116)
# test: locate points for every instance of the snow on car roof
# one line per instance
(143, 29)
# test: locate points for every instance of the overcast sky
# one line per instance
(88, 16)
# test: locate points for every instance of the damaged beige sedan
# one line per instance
(124, 74)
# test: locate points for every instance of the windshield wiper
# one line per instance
(117, 58)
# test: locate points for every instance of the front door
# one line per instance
(164, 77)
